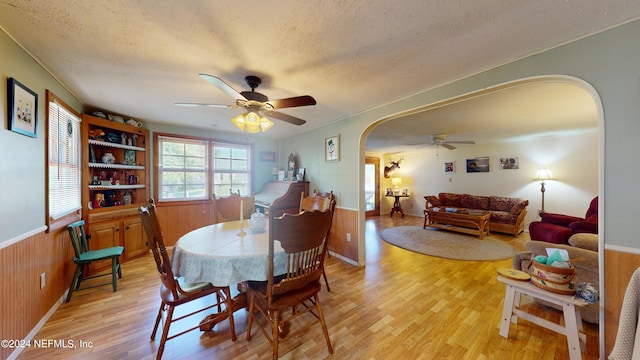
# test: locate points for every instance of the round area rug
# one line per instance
(447, 244)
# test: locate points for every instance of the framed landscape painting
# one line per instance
(479, 164)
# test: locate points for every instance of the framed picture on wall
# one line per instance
(449, 167)
(22, 108)
(479, 164)
(508, 163)
(269, 156)
(332, 148)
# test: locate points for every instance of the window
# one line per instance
(187, 172)
(230, 169)
(63, 158)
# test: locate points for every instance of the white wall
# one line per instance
(572, 160)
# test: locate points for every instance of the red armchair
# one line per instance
(558, 228)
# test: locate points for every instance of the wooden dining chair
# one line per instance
(228, 208)
(320, 201)
(303, 238)
(174, 291)
(83, 257)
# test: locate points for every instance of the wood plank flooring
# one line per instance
(401, 305)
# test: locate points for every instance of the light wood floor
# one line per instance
(401, 305)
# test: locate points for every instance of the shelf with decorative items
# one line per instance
(115, 178)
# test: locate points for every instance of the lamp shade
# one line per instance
(543, 174)
(396, 181)
(252, 122)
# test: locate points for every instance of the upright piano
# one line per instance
(288, 194)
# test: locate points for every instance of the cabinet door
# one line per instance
(103, 234)
(135, 239)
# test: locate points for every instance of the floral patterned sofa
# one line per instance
(507, 213)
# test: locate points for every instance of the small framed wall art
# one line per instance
(450, 167)
(22, 105)
(332, 148)
(508, 163)
(269, 156)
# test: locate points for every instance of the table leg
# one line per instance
(507, 310)
(571, 327)
(237, 303)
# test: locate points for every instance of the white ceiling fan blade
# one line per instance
(217, 82)
(206, 105)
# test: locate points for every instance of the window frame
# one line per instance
(72, 215)
(210, 169)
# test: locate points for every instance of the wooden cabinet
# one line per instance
(102, 235)
(115, 182)
(135, 239)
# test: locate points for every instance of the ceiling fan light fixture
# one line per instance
(251, 122)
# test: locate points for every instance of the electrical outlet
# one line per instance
(450, 180)
(348, 236)
(43, 280)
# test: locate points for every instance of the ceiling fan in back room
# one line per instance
(441, 140)
(255, 103)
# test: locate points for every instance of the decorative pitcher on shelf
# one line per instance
(108, 158)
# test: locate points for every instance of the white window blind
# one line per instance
(64, 161)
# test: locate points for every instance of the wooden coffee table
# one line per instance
(462, 222)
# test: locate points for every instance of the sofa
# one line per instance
(507, 213)
(558, 228)
(581, 246)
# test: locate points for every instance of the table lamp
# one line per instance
(396, 182)
(542, 175)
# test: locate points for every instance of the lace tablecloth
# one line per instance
(216, 254)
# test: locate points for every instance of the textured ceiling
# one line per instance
(138, 58)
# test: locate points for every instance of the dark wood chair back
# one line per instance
(302, 236)
(316, 201)
(228, 208)
(155, 237)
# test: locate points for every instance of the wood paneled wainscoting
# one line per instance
(24, 304)
(345, 221)
(178, 219)
(619, 265)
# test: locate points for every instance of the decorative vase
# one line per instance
(126, 199)
(258, 223)
(108, 158)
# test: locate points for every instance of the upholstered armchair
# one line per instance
(558, 228)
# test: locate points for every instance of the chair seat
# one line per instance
(192, 289)
(100, 254)
(288, 299)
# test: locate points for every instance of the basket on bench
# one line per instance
(557, 280)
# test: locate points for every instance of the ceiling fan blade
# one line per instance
(206, 105)
(217, 82)
(296, 101)
(448, 146)
(462, 142)
(286, 118)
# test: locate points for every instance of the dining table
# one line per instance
(226, 254)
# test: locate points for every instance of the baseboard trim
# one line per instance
(32, 334)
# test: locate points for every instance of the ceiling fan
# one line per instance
(256, 102)
(441, 140)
